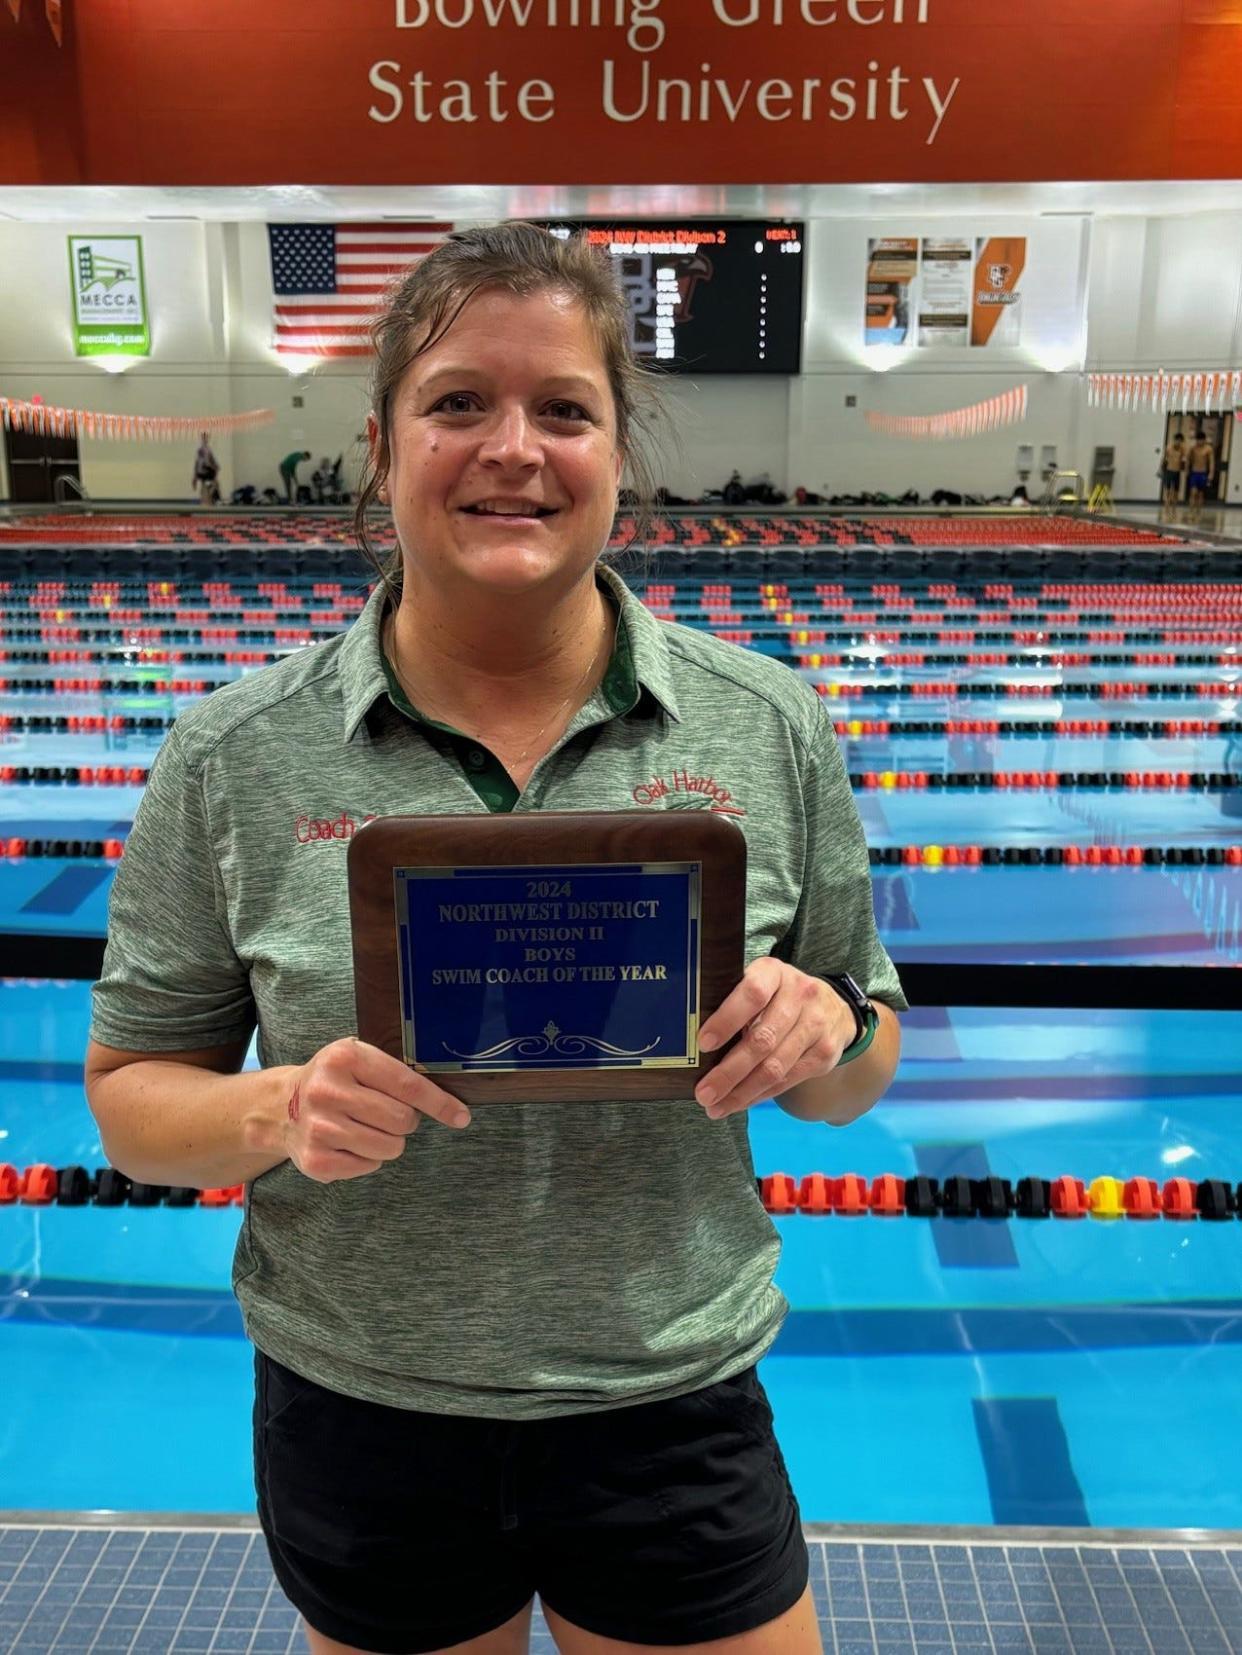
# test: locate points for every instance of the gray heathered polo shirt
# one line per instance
(550, 1258)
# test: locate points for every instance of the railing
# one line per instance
(62, 485)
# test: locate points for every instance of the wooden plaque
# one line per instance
(567, 955)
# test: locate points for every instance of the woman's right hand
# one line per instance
(353, 1107)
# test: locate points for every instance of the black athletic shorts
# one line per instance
(397, 1531)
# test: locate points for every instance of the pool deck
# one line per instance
(201, 1585)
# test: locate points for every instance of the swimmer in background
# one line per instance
(1173, 464)
(1202, 466)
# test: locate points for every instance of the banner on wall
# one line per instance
(109, 296)
(953, 291)
(892, 272)
(628, 92)
(996, 313)
(945, 267)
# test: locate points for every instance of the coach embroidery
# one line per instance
(681, 781)
(307, 829)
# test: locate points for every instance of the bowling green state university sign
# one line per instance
(621, 91)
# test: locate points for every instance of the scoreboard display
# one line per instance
(719, 298)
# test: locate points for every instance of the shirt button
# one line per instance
(476, 758)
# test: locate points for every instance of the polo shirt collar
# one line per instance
(648, 644)
(364, 680)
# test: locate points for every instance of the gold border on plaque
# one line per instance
(694, 983)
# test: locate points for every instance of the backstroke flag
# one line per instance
(328, 281)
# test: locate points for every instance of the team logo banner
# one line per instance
(996, 314)
(109, 296)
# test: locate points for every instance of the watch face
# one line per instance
(852, 990)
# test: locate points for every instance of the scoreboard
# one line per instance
(708, 298)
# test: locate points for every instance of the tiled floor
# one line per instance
(1215, 519)
(207, 1591)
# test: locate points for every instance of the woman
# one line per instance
(516, 1355)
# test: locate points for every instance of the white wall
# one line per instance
(833, 448)
(1164, 293)
(186, 372)
(1113, 292)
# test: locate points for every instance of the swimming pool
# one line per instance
(1077, 1373)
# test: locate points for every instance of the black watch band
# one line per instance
(866, 1018)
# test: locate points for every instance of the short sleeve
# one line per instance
(834, 927)
(171, 978)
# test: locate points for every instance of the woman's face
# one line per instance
(503, 445)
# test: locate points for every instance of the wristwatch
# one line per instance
(866, 1017)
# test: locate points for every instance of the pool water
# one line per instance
(1078, 1373)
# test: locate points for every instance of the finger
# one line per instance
(803, 1054)
(760, 983)
(766, 1077)
(327, 1166)
(371, 1067)
(769, 1029)
(358, 1124)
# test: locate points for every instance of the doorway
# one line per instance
(36, 463)
(1218, 429)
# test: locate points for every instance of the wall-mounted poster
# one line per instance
(952, 291)
(892, 266)
(109, 296)
(996, 314)
(945, 267)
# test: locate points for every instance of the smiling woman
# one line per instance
(593, 1312)
(506, 408)
(575, 287)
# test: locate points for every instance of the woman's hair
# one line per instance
(521, 259)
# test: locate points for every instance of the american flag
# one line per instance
(328, 279)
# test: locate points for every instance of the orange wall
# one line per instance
(202, 92)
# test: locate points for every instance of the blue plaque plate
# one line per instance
(579, 966)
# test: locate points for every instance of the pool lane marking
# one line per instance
(966, 1243)
(940, 1330)
(1026, 1456)
(68, 890)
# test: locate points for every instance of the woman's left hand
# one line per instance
(796, 1028)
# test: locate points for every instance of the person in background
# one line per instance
(289, 472)
(1202, 467)
(206, 470)
(1173, 465)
